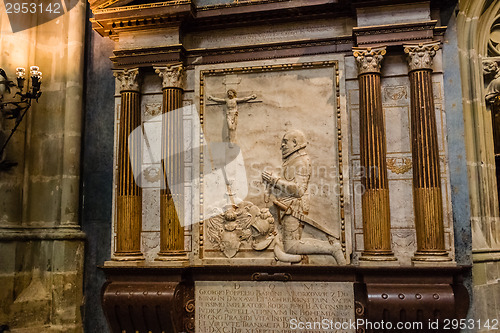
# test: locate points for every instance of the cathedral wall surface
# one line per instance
(41, 245)
(97, 174)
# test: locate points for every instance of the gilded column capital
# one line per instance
(172, 76)
(419, 56)
(368, 59)
(129, 79)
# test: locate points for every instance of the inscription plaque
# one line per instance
(246, 306)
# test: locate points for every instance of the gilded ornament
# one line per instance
(399, 168)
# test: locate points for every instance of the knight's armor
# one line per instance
(294, 185)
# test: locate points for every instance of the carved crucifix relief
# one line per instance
(231, 102)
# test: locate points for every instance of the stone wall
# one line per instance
(41, 245)
(97, 173)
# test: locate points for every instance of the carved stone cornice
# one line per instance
(151, 56)
(172, 76)
(396, 34)
(419, 56)
(129, 79)
(111, 18)
(368, 59)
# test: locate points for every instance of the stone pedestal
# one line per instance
(275, 299)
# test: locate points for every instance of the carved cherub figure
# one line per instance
(231, 102)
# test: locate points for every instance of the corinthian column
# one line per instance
(375, 199)
(129, 194)
(172, 187)
(427, 197)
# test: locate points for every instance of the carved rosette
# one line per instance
(368, 59)
(129, 79)
(420, 55)
(172, 76)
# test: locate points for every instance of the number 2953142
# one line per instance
(33, 7)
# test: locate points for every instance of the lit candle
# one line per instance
(34, 71)
(21, 72)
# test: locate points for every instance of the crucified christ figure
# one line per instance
(231, 102)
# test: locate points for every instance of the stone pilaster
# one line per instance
(427, 196)
(129, 194)
(172, 182)
(375, 199)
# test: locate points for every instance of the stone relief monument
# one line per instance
(278, 209)
(231, 102)
(247, 223)
(292, 202)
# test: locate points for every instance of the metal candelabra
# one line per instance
(19, 104)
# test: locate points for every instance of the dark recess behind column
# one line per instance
(97, 172)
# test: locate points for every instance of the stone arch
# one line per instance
(474, 22)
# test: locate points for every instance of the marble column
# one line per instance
(427, 196)
(172, 187)
(129, 194)
(375, 198)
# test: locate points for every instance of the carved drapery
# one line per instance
(427, 196)
(375, 199)
(129, 194)
(172, 187)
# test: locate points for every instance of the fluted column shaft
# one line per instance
(375, 199)
(427, 196)
(129, 194)
(172, 183)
